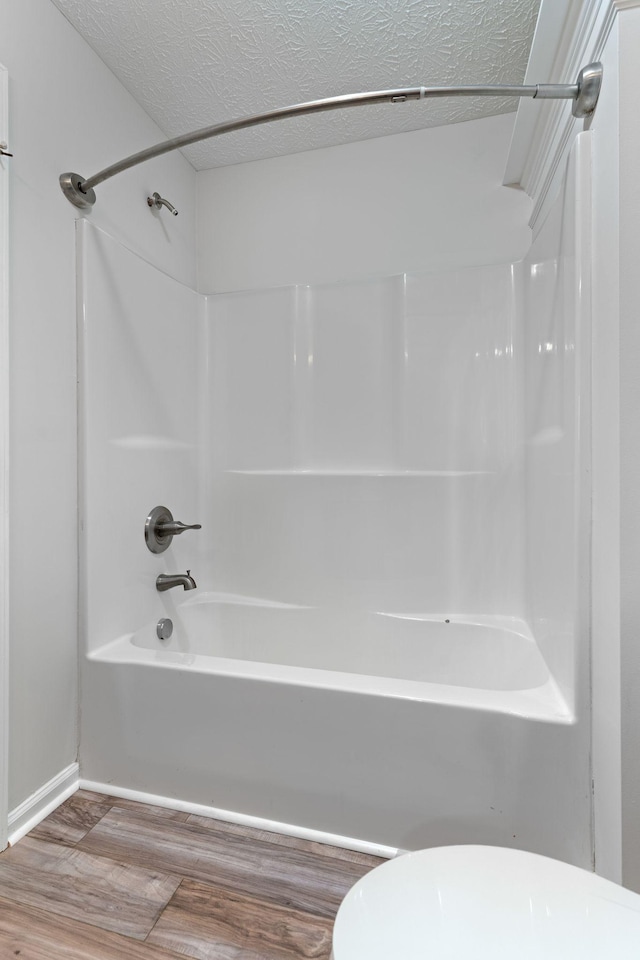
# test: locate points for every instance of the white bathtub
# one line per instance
(482, 662)
(427, 732)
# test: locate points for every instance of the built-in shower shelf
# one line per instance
(361, 473)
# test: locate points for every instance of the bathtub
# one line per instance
(240, 714)
(479, 662)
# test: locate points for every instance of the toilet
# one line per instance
(485, 903)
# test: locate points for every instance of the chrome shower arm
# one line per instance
(584, 94)
(155, 200)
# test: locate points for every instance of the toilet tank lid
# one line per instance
(476, 902)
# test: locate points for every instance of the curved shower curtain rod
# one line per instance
(584, 94)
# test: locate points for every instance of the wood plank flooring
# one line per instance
(103, 878)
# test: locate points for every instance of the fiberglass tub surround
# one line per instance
(388, 590)
(362, 441)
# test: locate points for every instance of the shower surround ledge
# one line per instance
(390, 638)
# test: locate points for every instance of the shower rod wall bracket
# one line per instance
(589, 84)
(72, 186)
(584, 94)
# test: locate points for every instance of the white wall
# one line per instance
(606, 662)
(4, 462)
(67, 111)
(570, 35)
(629, 259)
(610, 31)
(406, 203)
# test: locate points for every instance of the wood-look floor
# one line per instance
(109, 879)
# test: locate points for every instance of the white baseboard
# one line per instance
(257, 823)
(43, 802)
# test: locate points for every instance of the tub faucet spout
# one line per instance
(166, 581)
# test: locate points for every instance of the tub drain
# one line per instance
(164, 628)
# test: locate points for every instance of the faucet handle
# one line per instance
(170, 528)
(160, 528)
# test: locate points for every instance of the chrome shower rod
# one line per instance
(584, 94)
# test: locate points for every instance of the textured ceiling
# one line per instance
(191, 63)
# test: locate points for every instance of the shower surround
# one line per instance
(389, 640)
